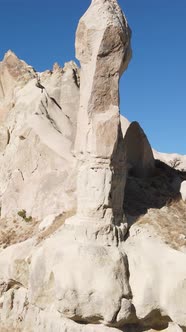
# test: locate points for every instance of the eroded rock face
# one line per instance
(14, 74)
(139, 155)
(78, 291)
(103, 49)
(85, 278)
(37, 168)
(183, 191)
(157, 278)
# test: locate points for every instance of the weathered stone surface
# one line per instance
(14, 265)
(90, 232)
(177, 162)
(4, 138)
(19, 316)
(37, 170)
(85, 272)
(48, 321)
(14, 73)
(47, 222)
(103, 49)
(127, 313)
(157, 278)
(14, 306)
(38, 135)
(86, 282)
(138, 152)
(139, 156)
(183, 190)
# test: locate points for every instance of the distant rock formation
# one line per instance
(139, 155)
(13, 73)
(37, 137)
(42, 127)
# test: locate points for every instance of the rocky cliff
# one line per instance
(92, 231)
(38, 128)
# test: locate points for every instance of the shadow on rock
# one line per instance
(160, 189)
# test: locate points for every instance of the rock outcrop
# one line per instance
(91, 237)
(37, 142)
(157, 278)
(139, 155)
(103, 49)
(183, 190)
(92, 271)
(37, 137)
(14, 73)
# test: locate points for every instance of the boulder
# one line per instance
(183, 190)
(157, 278)
(84, 282)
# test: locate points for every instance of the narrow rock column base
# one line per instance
(89, 231)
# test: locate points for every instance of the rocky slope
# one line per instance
(37, 137)
(109, 253)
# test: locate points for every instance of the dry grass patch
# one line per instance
(10, 329)
(15, 231)
(169, 222)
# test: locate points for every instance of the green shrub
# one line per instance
(27, 219)
(22, 214)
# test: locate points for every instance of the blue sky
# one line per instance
(152, 90)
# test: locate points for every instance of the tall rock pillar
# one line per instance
(92, 285)
(103, 49)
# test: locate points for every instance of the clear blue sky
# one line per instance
(152, 91)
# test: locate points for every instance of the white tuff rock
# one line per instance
(37, 167)
(87, 275)
(103, 49)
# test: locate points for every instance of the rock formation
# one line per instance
(84, 273)
(100, 185)
(139, 156)
(183, 190)
(14, 73)
(103, 49)
(37, 137)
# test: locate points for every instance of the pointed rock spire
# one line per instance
(13, 72)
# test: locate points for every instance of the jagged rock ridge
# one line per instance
(37, 137)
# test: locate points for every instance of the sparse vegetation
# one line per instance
(175, 163)
(16, 231)
(156, 191)
(22, 214)
(169, 223)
